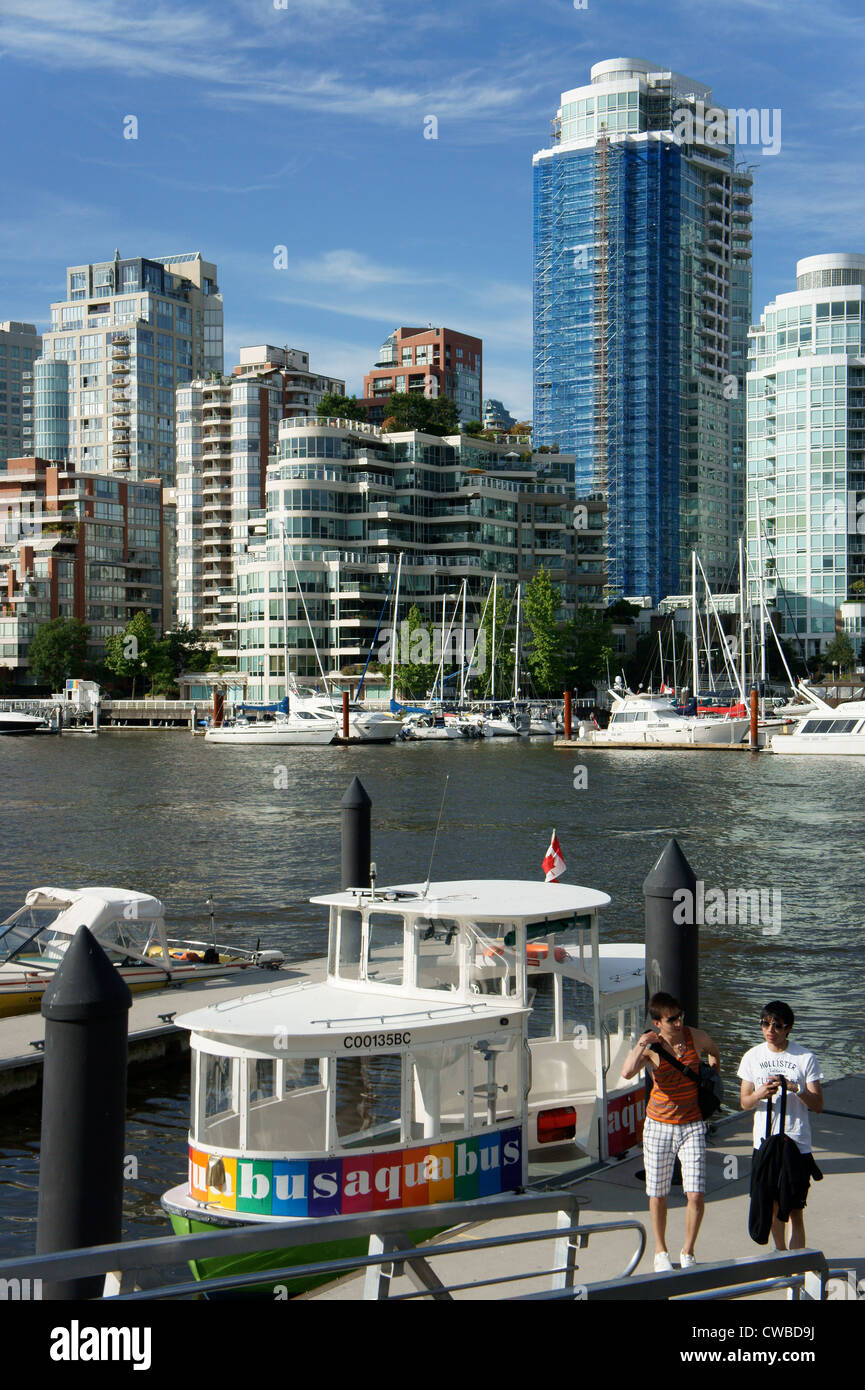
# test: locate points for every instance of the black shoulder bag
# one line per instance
(710, 1087)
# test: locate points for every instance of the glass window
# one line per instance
(219, 1109)
(439, 1090)
(369, 1101)
(436, 948)
(385, 951)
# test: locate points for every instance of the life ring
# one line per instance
(539, 950)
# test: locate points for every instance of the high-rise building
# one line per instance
(806, 448)
(641, 307)
(86, 546)
(127, 334)
(351, 499)
(19, 345)
(429, 362)
(226, 436)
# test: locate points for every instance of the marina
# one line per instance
(749, 822)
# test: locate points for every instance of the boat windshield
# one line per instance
(26, 936)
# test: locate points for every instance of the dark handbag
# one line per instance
(710, 1087)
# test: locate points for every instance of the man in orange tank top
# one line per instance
(674, 1126)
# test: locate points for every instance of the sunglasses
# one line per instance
(773, 1023)
(673, 1018)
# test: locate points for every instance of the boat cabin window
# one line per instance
(439, 1085)
(494, 966)
(542, 997)
(285, 1097)
(219, 1102)
(369, 1100)
(829, 726)
(578, 1008)
(385, 948)
(436, 943)
(345, 943)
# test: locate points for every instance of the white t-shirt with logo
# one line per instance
(796, 1064)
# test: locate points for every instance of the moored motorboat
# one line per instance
(653, 720)
(129, 926)
(16, 722)
(825, 730)
(464, 1031)
(298, 727)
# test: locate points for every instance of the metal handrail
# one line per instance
(386, 1232)
(782, 1269)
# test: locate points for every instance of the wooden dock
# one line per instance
(152, 1032)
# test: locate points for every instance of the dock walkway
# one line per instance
(834, 1216)
(151, 1032)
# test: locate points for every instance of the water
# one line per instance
(259, 830)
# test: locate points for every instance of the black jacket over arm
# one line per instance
(779, 1173)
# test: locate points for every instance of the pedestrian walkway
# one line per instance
(834, 1216)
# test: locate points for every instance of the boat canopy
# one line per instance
(95, 908)
(478, 900)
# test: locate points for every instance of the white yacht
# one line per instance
(365, 725)
(300, 727)
(652, 719)
(13, 721)
(825, 731)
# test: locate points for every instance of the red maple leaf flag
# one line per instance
(553, 864)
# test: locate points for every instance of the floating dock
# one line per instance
(152, 1032)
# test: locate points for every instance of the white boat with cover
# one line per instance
(16, 722)
(825, 731)
(467, 1034)
(129, 926)
(653, 719)
(301, 726)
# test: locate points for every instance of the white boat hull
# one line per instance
(269, 734)
(820, 745)
(698, 732)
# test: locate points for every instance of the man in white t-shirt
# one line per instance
(761, 1070)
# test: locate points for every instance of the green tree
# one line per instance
(545, 649)
(840, 653)
(429, 415)
(473, 428)
(58, 651)
(188, 650)
(589, 645)
(341, 408)
(129, 653)
(415, 673)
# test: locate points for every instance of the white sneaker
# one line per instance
(663, 1263)
(687, 1260)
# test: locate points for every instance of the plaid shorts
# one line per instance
(661, 1144)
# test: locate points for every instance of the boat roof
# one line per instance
(622, 966)
(307, 1010)
(95, 908)
(842, 711)
(478, 899)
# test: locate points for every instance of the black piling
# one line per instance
(83, 1109)
(672, 938)
(356, 852)
(356, 810)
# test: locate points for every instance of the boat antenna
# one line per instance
(435, 840)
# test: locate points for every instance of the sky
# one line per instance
(304, 124)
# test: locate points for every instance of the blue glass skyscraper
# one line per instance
(642, 302)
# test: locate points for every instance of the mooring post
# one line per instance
(83, 1109)
(567, 714)
(755, 742)
(672, 915)
(356, 852)
(345, 718)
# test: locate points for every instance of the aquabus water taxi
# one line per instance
(465, 1031)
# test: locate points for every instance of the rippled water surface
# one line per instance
(259, 830)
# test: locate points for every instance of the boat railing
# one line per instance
(440, 1015)
(390, 1252)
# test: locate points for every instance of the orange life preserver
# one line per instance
(539, 950)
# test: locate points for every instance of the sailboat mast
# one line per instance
(675, 672)
(393, 645)
(284, 609)
(694, 661)
(463, 651)
(661, 653)
(741, 617)
(444, 620)
(493, 672)
(517, 648)
(761, 582)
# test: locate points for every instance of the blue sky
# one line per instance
(303, 126)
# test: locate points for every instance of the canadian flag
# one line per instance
(553, 864)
